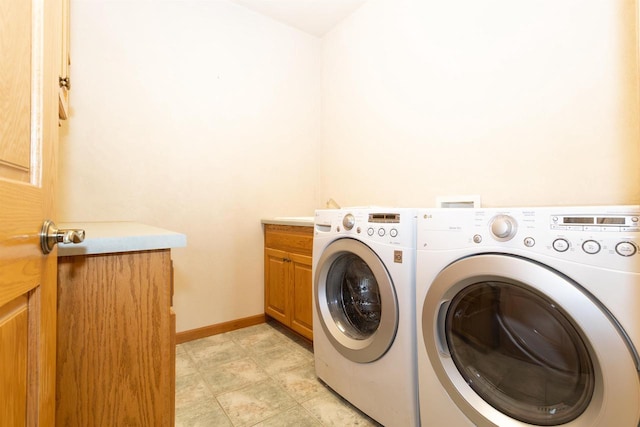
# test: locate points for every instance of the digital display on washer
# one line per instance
(384, 217)
(577, 220)
(610, 221)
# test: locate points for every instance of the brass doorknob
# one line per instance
(50, 235)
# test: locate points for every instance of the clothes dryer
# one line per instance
(529, 316)
(364, 310)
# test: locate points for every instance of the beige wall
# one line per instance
(199, 117)
(202, 117)
(525, 103)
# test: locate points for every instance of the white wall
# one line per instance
(525, 103)
(200, 117)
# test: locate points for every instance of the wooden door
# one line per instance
(29, 65)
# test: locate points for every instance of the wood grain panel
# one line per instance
(289, 238)
(18, 278)
(13, 362)
(288, 281)
(170, 392)
(29, 64)
(20, 254)
(115, 355)
(15, 88)
(301, 295)
(276, 294)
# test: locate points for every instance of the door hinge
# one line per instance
(65, 82)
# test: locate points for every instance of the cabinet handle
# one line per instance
(286, 260)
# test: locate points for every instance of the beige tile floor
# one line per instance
(257, 376)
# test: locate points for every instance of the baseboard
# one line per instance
(207, 331)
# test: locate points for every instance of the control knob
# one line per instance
(503, 227)
(626, 249)
(348, 221)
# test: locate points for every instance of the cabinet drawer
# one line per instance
(289, 238)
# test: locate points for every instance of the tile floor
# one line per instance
(263, 376)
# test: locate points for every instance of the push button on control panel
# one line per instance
(626, 249)
(381, 232)
(591, 247)
(560, 245)
(393, 232)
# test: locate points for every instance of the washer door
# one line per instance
(512, 340)
(355, 300)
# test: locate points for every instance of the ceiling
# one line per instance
(315, 17)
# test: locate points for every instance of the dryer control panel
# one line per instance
(595, 222)
(603, 236)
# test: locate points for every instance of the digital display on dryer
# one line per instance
(610, 221)
(577, 220)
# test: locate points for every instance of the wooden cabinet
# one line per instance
(288, 289)
(116, 340)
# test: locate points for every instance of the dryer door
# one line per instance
(516, 343)
(355, 300)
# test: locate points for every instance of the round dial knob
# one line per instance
(503, 227)
(591, 247)
(348, 221)
(561, 245)
(626, 249)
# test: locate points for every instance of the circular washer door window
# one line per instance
(355, 300)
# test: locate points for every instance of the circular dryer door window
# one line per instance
(519, 352)
(513, 342)
(355, 300)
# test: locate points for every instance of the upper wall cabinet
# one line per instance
(65, 79)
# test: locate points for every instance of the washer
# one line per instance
(529, 316)
(364, 310)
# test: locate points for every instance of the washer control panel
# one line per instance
(388, 223)
(607, 236)
(393, 226)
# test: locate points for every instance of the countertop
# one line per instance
(301, 221)
(113, 237)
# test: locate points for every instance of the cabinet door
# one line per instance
(115, 336)
(301, 295)
(276, 290)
